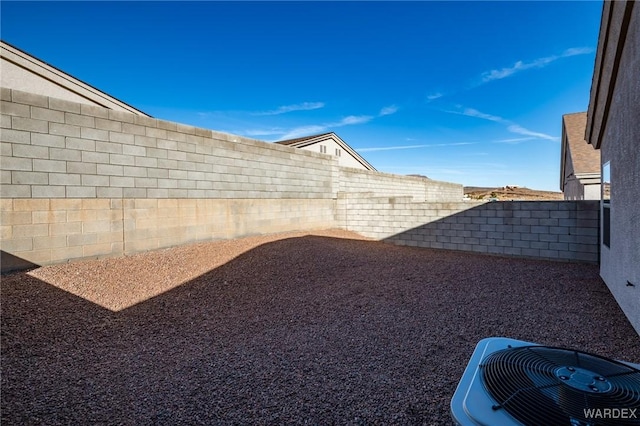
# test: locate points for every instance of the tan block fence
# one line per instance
(80, 181)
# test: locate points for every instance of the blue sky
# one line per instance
(466, 92)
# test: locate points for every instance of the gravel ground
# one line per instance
(289, 329)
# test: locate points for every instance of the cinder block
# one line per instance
(79, 120)
(49, 242)
(134, 192)
(5, 93)
(10, 218)
(135, 171)
(548, 237)
(106, 124)
(110, 147)
(14, 109)
(109, 192)
(28, 151)
(187, 147)
(110, 170)
(154, 132)
(95, 157)
(15, 245)
(64, 130)
(542, 245)
(81, 168)
(168, 145)
(29, 178)
(47, 114)
(149, 161)
(531, 252)
(81, 192)
(65, 154)
(66, 253)
(522, 213)
(158, 173)
(64, 179)
(54, 141)
(29, 124)
(540, 214)
(95, 134)
(81, 144)
(30, 231)
(126, 181)
(560, 214)
(96, 250)
(145, 141)
(29, 98)
(94, 111)
(48, 191)
(95, 180)
(141, 182)
(540, 229)
(124, 116)
(15, 136)
(55, 166)
(15, 163)
(96, 226)
(167, 125)
(64, 105)
(125, 138)
(5, 177)
(157, 153)
(133, 129)
(157, 193)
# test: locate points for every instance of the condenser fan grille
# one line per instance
(540, 385)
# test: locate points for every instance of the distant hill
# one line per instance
(509, 193)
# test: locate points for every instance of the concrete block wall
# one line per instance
(384, 184)
(554, 230)
(53, 148)
(80, 181)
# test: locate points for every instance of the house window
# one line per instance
(323, 149)
(338, 152)
(606, 204)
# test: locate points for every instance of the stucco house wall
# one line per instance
(614, 127)
(332, 148)
(580, 162)
(22, 71)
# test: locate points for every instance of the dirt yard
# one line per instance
(321, 329)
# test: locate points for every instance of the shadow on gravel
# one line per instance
(306, 330)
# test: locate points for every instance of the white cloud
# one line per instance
(577, 51)
(511, 126)
(522, 131)
(391, 109)
(351, 119)
(302, 131)
(304, 106)
(434, 96)
(514, 140)
(470, 112)
(394, 148)
(261, 132)
(499, 74)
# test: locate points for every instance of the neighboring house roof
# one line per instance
(25, 72)
(578, 158)
(314, 139)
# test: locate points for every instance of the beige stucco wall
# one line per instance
(620, 263)
(577, 189)
(18, 78)
(344, 160)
